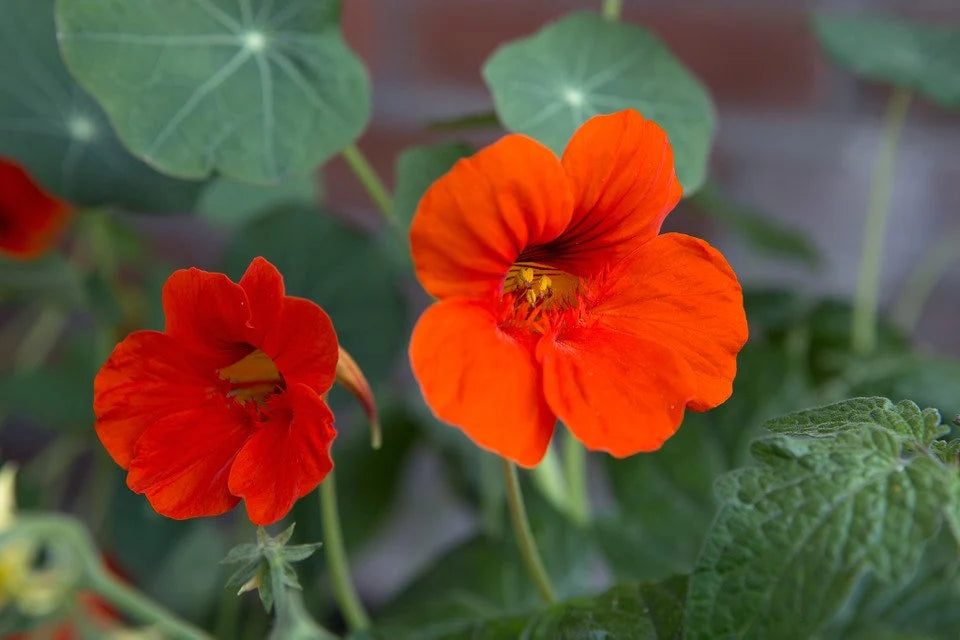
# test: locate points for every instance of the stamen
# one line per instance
(252, 378)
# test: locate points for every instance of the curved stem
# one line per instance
(611, 9)
(138, 606)
(521, 529)
(863, 330)
(344, 590)
(919, 286)
(371, 182)
(575, 464)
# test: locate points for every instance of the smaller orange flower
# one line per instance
(559, 298)
(30, 219)
(227, 403)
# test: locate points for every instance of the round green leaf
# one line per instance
(53, 128)
(347, 272)
(925, 58)
(550, 83)
(254, 90)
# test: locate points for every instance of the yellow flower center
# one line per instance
(252, 378)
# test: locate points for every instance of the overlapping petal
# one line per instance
(286, 458)
(473, 222)
(616, 392)
(482, 379)
(680, 292)
(208, 312)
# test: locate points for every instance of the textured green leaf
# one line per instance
(793, 535)
(345, 271)
(58, 132)
(758, 230)
(232, 204)
(923, 57)
(417, 168)
(255, 91)
(548, 84)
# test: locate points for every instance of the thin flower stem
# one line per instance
(611, 9)
(41, 338)
(521, 529)
(863, 329)
(371, 182)
(916, 292)
(575, 464)
(344, 590)
(138, 606)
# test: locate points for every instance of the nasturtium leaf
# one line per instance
(257, 91)
(50, 126)
(923, 57)
(548, 84)
(346, 271)
(231, 204)
(759, 231)
(855, 492)
(417, 168)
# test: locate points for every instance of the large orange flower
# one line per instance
(30, 219)
(227, 402)
(558, 298)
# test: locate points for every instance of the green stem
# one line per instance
(344, 590)
(863, 330)
(575, 463)
(138, 606)
(548, 479)
(919, 286)
(521, 529)
(371, 182)
(40, 339)
(611, 9)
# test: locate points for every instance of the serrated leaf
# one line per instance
(417, 168)
(548, 84)
(759, 231)
(924, 57)
(256, 92)
(794, 534)
(53, 128)
(345, 271)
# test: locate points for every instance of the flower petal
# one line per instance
(30, 219)
(147, 377)
(616, 392)
(263, 285)
(620, 168)
(303, 344)
(680, 292)
(208, 311)
(482, 379)
(473, 222)
(286, 458)
(182, 461)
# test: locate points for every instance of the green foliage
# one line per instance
(343, 270)
(50, 278)
(548, 84)
(841, 490)
(758, 230)
(417, 168)
(923, 57)
(58, 133)
(232, 204)
(257, 93)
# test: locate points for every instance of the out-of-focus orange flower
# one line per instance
(30, 219)
(558, 298)
(227, 403)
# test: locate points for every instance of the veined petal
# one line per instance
(482, 379)
(286, 458)
(473, 222)
(680, 292)
(209, 312)
(303, 344)
(616, 392)
(148, 376)
(620, 168)
(182, 461)
(263, 285)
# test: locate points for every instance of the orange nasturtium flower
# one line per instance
(227, 403)
(558, 298)
(30, 219)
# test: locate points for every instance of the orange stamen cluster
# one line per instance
(535, 296)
